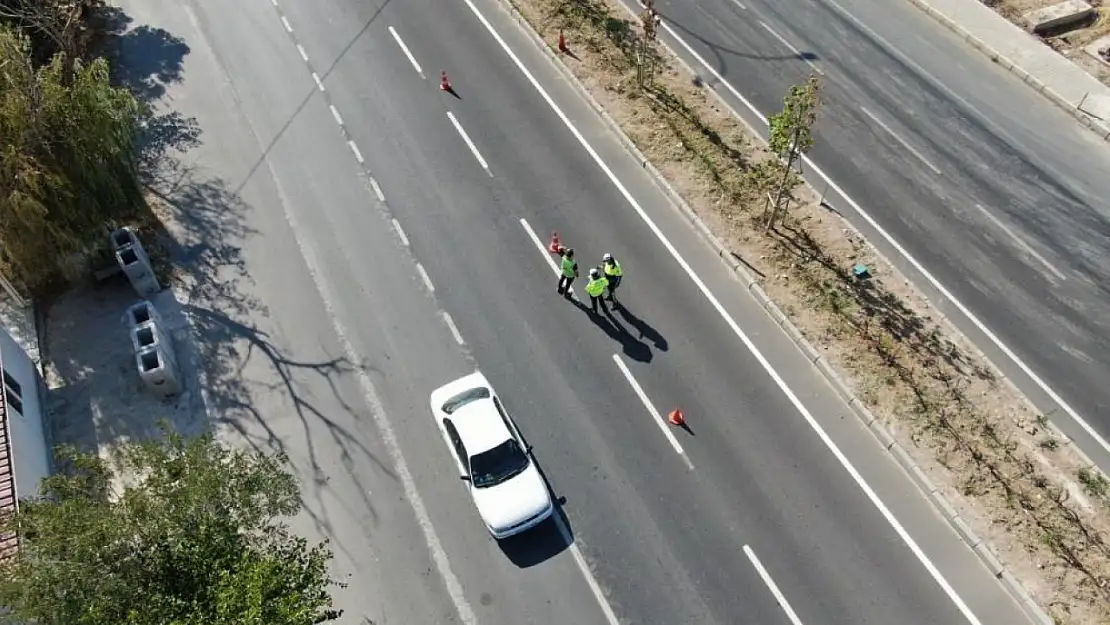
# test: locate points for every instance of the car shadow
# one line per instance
(541, 543)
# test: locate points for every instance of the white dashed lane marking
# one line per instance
(354, 148)
(377, 190)
(469, 143)
(454, 329)
(400, 233)
(425, 277)
(779, 597)
(405, 49)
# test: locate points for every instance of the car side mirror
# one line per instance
(465, 478)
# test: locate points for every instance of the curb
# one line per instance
(1088, 122)
(877, 429)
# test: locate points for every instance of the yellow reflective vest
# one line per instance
(596, 287)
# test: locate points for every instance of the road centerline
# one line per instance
(905, 144)
(779, 597)
(469, 143)
(543, 250)
(406, 51)
(1028, 249)
(658, 418)
(790, 46)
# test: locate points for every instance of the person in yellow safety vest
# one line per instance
(596, 289)
(568, 271)
(613, 273)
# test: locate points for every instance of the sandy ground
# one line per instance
(95, 398)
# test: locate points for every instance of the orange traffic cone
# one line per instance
(562, 43)
(555, 244)
(444, 84)
(676, 417)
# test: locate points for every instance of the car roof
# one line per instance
(478, 423)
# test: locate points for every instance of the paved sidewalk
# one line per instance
(1063, 82)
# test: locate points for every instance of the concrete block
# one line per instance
(136, 266)
(143, 312)
(1096, 48)
(1058, 16)
(125, 237)
(151, 335)
(158, 372)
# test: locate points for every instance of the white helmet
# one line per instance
(593, 272)
(608, 257)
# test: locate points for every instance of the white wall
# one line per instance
(30, 456)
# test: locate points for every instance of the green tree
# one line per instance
(195, 539)
(790, 137)
(67, 161)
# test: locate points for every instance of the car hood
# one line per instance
(514, 501)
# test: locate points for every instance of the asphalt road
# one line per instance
(998, 193)
(662, 537)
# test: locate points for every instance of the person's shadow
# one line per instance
(645, 330)
(633, 348)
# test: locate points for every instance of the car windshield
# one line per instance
(464, 398)
(492, 467)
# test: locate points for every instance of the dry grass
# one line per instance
(975, 436)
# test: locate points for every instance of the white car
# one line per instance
(508, 490)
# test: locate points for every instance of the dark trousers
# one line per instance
(614, 282)
(564, 285)
(595, 299)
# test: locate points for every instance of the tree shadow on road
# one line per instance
(146, 58)
(720, 51)
(201, 222)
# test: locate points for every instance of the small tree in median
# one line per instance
(195, 540)
(790, 137)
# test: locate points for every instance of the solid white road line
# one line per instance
(425, 277)
(982, 327)
(779, 597)
(377, 189)
(469, 143)
(652, 411)
(591, 581)
(874, 498)
(789, 46)
(1021, 243)
(540, 246)
(405, 49)
(304, 55)
(737, 3)
(319, 83)
(400, 233)
(285, 23)
(354, 148)
(905, 144)
(454, 328)
(335, 114)
(964, 310)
